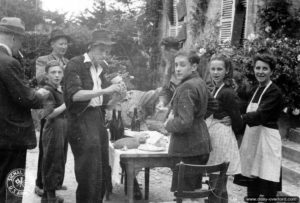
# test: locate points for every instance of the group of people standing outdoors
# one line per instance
(205, 123)
(72, 112)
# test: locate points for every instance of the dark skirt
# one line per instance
(241, 180)
(191, 181)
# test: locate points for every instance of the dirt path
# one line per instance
(160, 180)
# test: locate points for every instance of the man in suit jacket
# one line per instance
(59, 42)
(16, 99)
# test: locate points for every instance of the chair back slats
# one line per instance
(202, 169)
(214, 192)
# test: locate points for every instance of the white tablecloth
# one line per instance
(114, 160)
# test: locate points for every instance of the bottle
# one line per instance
(113, 126)
(120, 127)
(135, 122)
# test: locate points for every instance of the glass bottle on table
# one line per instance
(120, 126)
(113, 125)
(135, 122)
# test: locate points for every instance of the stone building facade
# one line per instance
(226, 20)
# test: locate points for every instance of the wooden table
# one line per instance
(134, 162)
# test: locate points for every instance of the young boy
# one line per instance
(54, 132)
(190, 137)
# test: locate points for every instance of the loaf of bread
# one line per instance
(129, 142)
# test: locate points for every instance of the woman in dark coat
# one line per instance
(190, 138)
(261, 146)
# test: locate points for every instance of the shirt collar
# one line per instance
(7, 48)
(193, 75)
(59, 88)
(86, 58)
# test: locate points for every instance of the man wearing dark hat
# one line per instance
(85, 93)
(59, 42)
(17, 132)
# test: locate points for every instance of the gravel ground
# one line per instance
(160, 181)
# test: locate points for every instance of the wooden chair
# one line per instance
(213, 192)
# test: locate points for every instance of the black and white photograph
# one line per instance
(149, 101)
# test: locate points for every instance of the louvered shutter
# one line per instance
(244, 3)
(228, 10)
(173, 31)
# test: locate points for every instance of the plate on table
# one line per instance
(151, 148)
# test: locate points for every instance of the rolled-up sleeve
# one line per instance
(72, 82)
(184, 117)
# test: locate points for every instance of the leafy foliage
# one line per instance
(148, 25)
(94, 16)
(29, 12)
(277, 18)
(199, 16)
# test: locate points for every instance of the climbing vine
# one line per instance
(149, 25)
(199, 16)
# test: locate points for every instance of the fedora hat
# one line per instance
(12, 25)
(101, 36)
(57, 33)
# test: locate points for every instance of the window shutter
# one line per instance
(244, 3)
(172, 31)
(174, 28)
(170, 11)
(228, 10)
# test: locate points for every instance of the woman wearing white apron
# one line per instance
(261, 146)
(223, 139)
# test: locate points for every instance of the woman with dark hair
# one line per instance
(223, 137)
(190, 138)
(261, 146)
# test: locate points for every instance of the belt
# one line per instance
(99, 108)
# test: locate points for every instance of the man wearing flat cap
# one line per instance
(85, 93)
(17, 132)
(59, 41)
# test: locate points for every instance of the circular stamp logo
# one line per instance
(15, 182)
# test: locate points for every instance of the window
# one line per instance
(233, 20)
(227, 17)
(174, 24)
